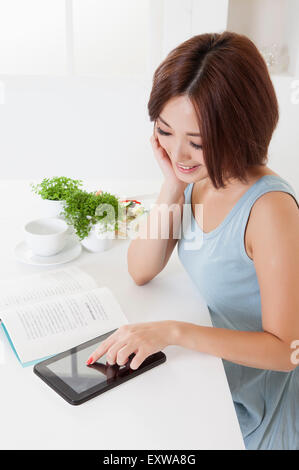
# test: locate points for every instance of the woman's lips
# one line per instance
(183, 170)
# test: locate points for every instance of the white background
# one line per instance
(75, 79)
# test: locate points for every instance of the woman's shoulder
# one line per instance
(276, 201)
(276, 207)
(277, 194)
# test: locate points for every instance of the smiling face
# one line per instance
(178, 133)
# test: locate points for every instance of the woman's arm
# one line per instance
(274, 228)
(158, 234)
(261, 350)
(150, 250)
(275, 247)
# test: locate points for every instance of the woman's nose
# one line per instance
(179, 153)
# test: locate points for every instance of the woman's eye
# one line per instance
(162, 132)
(196, 146)
(167, 133)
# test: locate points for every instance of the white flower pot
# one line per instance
(51, 208)
(95, 243)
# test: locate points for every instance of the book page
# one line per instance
(53, 326)
(43, 286)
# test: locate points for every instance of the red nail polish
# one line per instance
(89, 361)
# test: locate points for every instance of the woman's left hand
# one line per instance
(143, 339)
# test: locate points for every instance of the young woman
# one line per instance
(215, 109)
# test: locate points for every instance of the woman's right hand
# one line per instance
(165, 164)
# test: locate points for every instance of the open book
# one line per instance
(53, 311)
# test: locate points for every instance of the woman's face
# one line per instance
(175, 122)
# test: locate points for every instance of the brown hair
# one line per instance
(228, 83)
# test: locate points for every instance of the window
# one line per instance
(84, 37)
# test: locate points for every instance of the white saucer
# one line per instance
(71, 251)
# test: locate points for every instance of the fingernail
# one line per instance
(89, 361)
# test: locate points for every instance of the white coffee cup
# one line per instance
(46, 236)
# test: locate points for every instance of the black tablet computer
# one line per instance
(68, 374)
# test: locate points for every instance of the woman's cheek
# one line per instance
(164, 147)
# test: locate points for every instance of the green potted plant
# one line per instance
(94, 218)
(53, 192)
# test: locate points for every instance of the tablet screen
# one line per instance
(70, 376)
(73, 370)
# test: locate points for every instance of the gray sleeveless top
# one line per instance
(266, 402)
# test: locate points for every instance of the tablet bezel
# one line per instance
(75, 398)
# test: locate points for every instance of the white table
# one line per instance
(184, 403)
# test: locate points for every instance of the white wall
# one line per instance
(98, 127)
(284, 148)
(87, 127)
